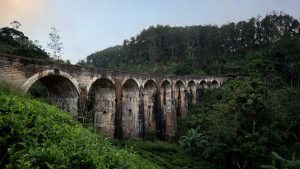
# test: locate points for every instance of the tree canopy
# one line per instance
(207, 49)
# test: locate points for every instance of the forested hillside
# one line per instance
(14, 42)
(203, 49)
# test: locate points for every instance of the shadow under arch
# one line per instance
(203, 84)
(166, 93)
(88, 88)
(152, 117)
(58, 88)
(180, 98)
(131, 79)
(191, 92)
(132, 123)
(214, 84)
(101, 106)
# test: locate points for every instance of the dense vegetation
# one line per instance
(200, 50)
(240, 124)
(14, 42)
(164, 154)
(34, 134)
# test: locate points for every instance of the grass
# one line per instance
(163, 154)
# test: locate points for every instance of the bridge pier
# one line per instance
(118, 118)
(168, 111)
(104, 107)
(132, 126)
(82, 105)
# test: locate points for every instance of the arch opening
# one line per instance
(166, 94)
(191, 92)
(180, 99)
(203, 84)
(102, 106)
(56, 90)
(214, 84)
(131, 121)
(150, 108)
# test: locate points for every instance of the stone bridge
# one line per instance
(124, 104)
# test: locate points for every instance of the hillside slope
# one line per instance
(34, 134)
(14, 42)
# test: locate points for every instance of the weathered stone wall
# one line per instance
(132, 126)
(125, 105)
(105, 106)
(168, 110)
(150, 91)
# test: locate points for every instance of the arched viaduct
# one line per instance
(125, 104)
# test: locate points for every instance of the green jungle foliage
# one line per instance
(280, 162)
(164, 154)
(14, 42)
(34, 134)
(199, 50)
(250, 118)
(240, 124)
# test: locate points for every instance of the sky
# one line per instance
(87, 26)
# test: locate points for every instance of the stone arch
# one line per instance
(166, 93)
(150, 104)
(191, 90)
(179, 83)
(131, 79)
(88, 87)
(104, 105)
(131, 122)
(214, 84)
(191, 83)
(180, 98)
(30, 81)
(62, 88)
(150, 80)
(168, 112)
(203, 84)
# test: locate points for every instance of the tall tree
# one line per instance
(16, 24)
(55, 44)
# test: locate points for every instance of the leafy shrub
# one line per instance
(164, 154)
(36, 135)
(241, 123)
(280, 162)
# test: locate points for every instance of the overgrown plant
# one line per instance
(279, 162)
